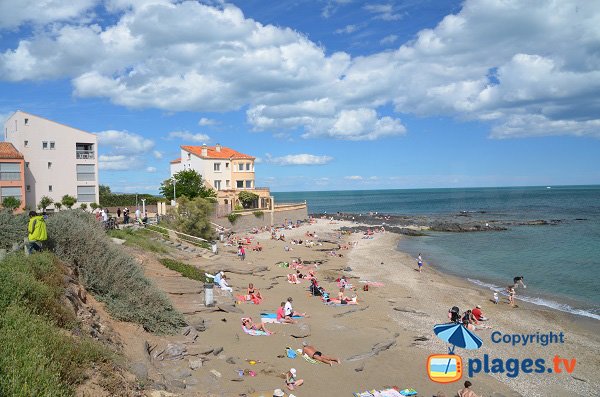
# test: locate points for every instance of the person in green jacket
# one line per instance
(36, 232)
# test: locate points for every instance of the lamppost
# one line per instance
(143, 207)
(174, 192)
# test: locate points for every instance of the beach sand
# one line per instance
(398, 316)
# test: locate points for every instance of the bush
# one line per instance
(110, 273)
(37, 358)
(140, 238)
(233, 217)
(184, 269)
(68, 201)
(258, 214)
(248, 199)
(13, 228)
(192, 217)
(11, 203)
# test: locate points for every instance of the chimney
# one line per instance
(204, 150)
(218, 147)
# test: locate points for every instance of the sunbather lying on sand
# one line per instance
(248, 324)
(315, 354)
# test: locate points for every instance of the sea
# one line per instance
(560, 263)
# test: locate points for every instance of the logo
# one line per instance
(444, 368)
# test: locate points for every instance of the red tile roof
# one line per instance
(176, 161)
(225, 153)
(8, 151)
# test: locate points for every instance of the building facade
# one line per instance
(59, 160)
(12, 174)
(225, 170)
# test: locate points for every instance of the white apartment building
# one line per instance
(59, 159)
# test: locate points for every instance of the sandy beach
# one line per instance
(383, 341)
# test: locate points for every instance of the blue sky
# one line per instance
(327, 94)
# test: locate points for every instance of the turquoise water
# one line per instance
(560, 263)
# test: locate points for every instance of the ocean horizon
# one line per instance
(566, 253)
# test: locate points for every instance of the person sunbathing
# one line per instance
(254, 294)
(292, 278)
(315, 354)
(343, 298)
(248, 324)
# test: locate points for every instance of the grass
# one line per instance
(158, 230)
(38, 357)
(184, 269)
(138, 238)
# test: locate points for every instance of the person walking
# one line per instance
(37, 233)
(420, 262)
(118, 212)
(241, 252)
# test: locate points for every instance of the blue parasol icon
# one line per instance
(457, 335)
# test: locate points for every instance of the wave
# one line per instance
(563, 307)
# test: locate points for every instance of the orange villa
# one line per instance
(12, 174)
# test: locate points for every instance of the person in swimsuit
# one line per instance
(254, 293)
(420, 262)
(315, 354)
(248, 324)
(519, 280)
(290, 379)
(511, 294)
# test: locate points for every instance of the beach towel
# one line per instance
(408, 392)
(309, 359)
(255, 332)
(271, 318)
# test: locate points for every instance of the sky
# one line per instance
(326, 94)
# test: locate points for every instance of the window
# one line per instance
(26, 121)
(240, 184)
(86, 194)
(28, 188)
(49, 164)
(86, 172)
(247, 166)
(52, 145)
(217, 167)
(44, 145)
(189, 156)
(226, 165)
(49, 188)
(10, 172)
(227, 183)
(27, 164)
(218, 184)
(248, 184)
(26, 143)
(241, 166)
(10, 192)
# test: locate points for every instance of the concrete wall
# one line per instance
(61, 174)
(247, 221)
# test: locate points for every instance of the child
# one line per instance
(495, 298)
(420, 262)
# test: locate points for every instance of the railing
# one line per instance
(261, 188)
(85, 154)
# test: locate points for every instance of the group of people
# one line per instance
(472, 319)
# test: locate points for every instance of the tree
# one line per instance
(188, 183)
(68, 201)
(192, 217)
(58, 205)
(247, 199)
(104, 190)
(45, 201)
(94, 206)
(83, 206)
(11, 203)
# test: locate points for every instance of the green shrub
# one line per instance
(248, 199)
(258, 214)
(192, 217)
(110, 273)
(37, 359)
(184, 269)
(37, 282)
(11, 203)
(13, 228)
(233, 217)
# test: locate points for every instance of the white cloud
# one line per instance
(157, 154)
(299, 159)
(389, 39)
(13, 15)
(114, 162)
(525, 68)
(385, 12)
(188, 136)
(332, 6)
(347, 29)
(150, 169)
(354, 178)
(207, 122)
(124, 142)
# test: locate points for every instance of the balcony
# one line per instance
(85, 154)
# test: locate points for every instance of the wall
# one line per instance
(63, 173)
(248, 220)
(20, 183)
